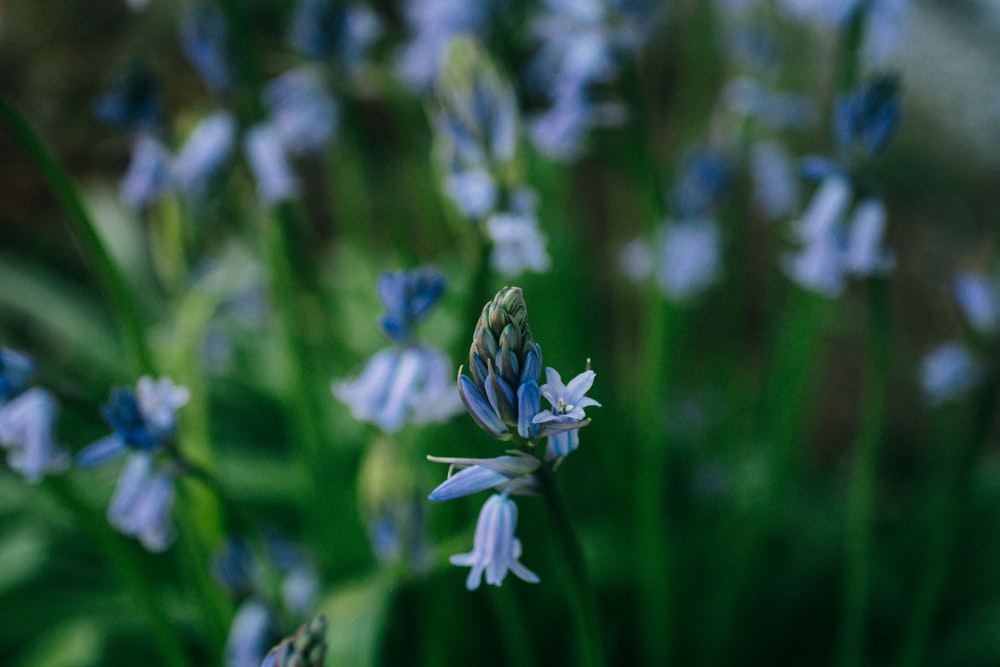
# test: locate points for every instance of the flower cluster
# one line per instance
(504, 399)
(834, 244)
(409, 382)
(27, 420)
(306, 648)
(684, 256)
(143, 423)
(476, 132)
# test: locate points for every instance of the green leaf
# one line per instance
(355, 614)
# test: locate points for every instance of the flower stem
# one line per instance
(113, 282)
(955, 485)
(582, 602)
(124, 562)
(861, 499)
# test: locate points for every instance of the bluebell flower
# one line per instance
(948, 373)
(864, 254)
(203, 153)
(142, 502)
(412, 384)
(148, 175)
(248, 574)
(518, 244)
(835, 246)
(978, 302)
(474, 191)
(865, 120)
(27, 425)
(205, 41)
(495, 549)
(706, 176)
(16, 371)
(330, 28)
(776, 191)
(512, 473)
(560, 131)
(567, 403)
(253, 630)
(142, 420)
(689, 260)
(302, 112)
(408, 297)
(433, 24)
(269, 163)
(135, 101)
(883, 32)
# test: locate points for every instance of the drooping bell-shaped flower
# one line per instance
(495, 550)
(142, 502)
(27, 431)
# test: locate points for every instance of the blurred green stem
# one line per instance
(579, 593)
(859, 548)
(127, 566)
(122, 300)
(955, 482)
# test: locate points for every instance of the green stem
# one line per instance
(123, 562)
(942, 534)
(114, 283)
(580, 594)
(861, 499)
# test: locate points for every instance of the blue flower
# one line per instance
(16, 370)
(135, 101)
(434, 23)
(253, 630)
(142, 420)
(399, 385)
(204, 151)
(302, 111)
(495, 550)
(948, 372)
(865, 120)
(324, 28)
(205, 42)
(518, 244)
(978, 301)
(705, 178)
(142, 502)
(512, 474)
(689, 258)
(148, 173)
(407, 297)
(27, 423)
(269, 163)
(568, 403)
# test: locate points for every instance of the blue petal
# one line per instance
(480, 410)
(101, 451)
(466, 482)
(529, 402)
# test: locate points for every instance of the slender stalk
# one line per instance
(124, 562)
(859, 549)
(122, 300)
(943, 531)
(580, 594)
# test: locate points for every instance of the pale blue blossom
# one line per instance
(495, 550)
(205, 41)
(774, 109)
(331, 29)
(433, 24)
(16, 371)
(978, 300)
(518, 244)
(142, 502)
(864, 255)
(253, 630)
(948, 372)
(302, 111)
(567, 402)
(474, 191)
(276, 181)
(689, 261)
(147, 177)
(141, 420)
(512, 473)
(413, 384)
(817, 265)
(203, 153)
(776, 191)
(408, 297)
(27, 431)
